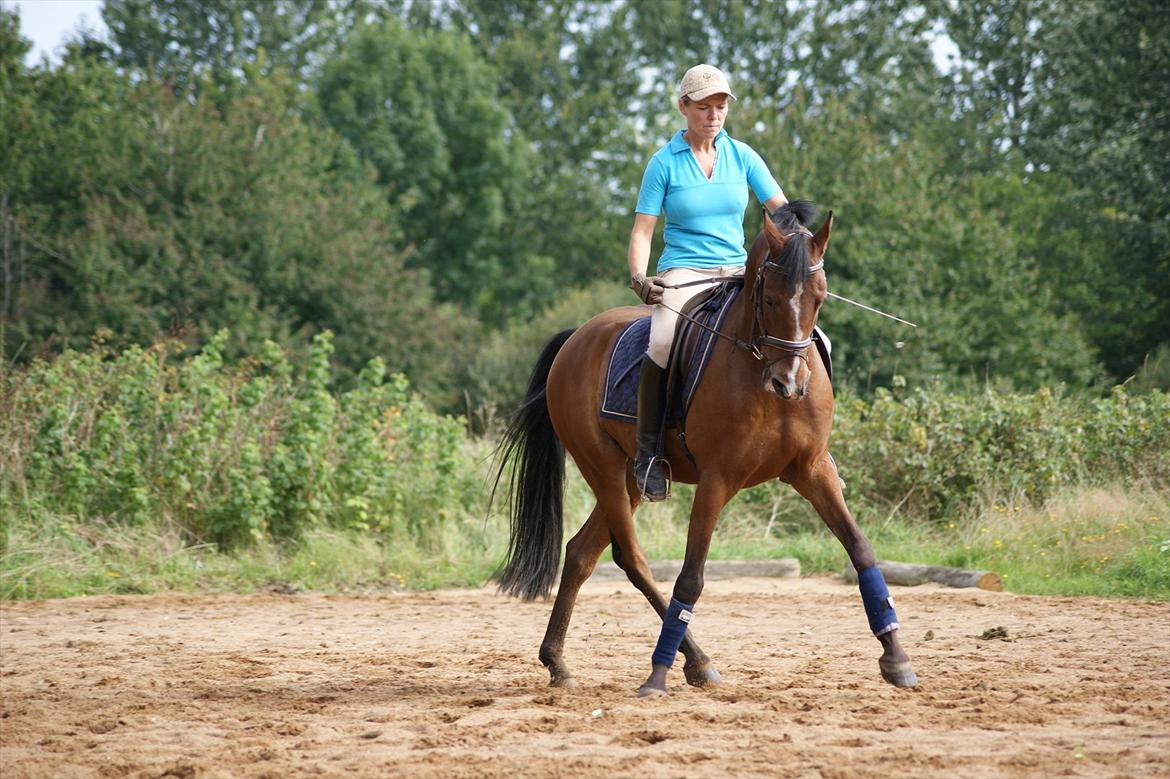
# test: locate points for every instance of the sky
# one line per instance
(47, 23)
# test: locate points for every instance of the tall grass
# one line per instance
(1110, 540)
(113, 559)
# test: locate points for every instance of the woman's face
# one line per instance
(705, 117)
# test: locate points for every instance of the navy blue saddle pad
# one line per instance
(625, 362)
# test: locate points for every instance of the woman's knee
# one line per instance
(659, 353)
(661, 336)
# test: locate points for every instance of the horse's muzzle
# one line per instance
(792, 384)
(787, 391)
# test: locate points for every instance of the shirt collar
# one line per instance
(678, 143)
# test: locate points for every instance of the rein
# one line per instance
(741, 344)
(756, 344)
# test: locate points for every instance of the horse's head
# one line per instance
(784, 270)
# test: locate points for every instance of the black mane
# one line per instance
(794, 217)
(794, 214)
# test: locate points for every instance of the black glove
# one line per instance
(649, 289)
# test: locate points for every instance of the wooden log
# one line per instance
(667, 570)
(911, 574)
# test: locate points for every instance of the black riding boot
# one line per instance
(650, 469)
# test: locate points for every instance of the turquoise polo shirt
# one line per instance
(704, 218)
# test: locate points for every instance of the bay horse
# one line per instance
(763, 411)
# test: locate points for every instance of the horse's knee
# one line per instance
(688, 587)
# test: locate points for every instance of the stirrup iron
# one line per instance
(640, 483)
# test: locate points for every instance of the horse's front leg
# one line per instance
(822, 488)
(711, 496)
(628, 555)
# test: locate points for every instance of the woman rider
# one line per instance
(700, 180)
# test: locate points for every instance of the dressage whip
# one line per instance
(874, 310)
(831, 294)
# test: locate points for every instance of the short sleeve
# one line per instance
(758, 176)
(653, 192)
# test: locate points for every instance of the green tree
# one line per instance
(20, 127)
(423, 110)
(877, 53)
(140, 211)
(948, 251)
(568, 73)
(1075, 96)
(1116, 144)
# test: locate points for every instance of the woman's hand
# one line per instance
(649, 289)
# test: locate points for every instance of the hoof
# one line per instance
(898, 674)
(565, 682)
(645, 691)
(703, 675)
(655, 684)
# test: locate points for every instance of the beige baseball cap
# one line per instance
(703, 81)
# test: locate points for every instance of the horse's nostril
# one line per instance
(780, 387)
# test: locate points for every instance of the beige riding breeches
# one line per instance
(663, 321)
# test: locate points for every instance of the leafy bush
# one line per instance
(938, 451)
(232, 454)
(933, 456)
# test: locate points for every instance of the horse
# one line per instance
(763, 411)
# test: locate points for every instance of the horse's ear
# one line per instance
(821, 239)
(775, 239)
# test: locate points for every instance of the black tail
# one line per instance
(537, 487)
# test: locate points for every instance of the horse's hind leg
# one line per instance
(822, 488)
(628, 555)
(581, 555)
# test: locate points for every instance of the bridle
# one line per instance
(757, 343)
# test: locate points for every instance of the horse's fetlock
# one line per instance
(861, 553)
(687, 589)
(549, 658)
